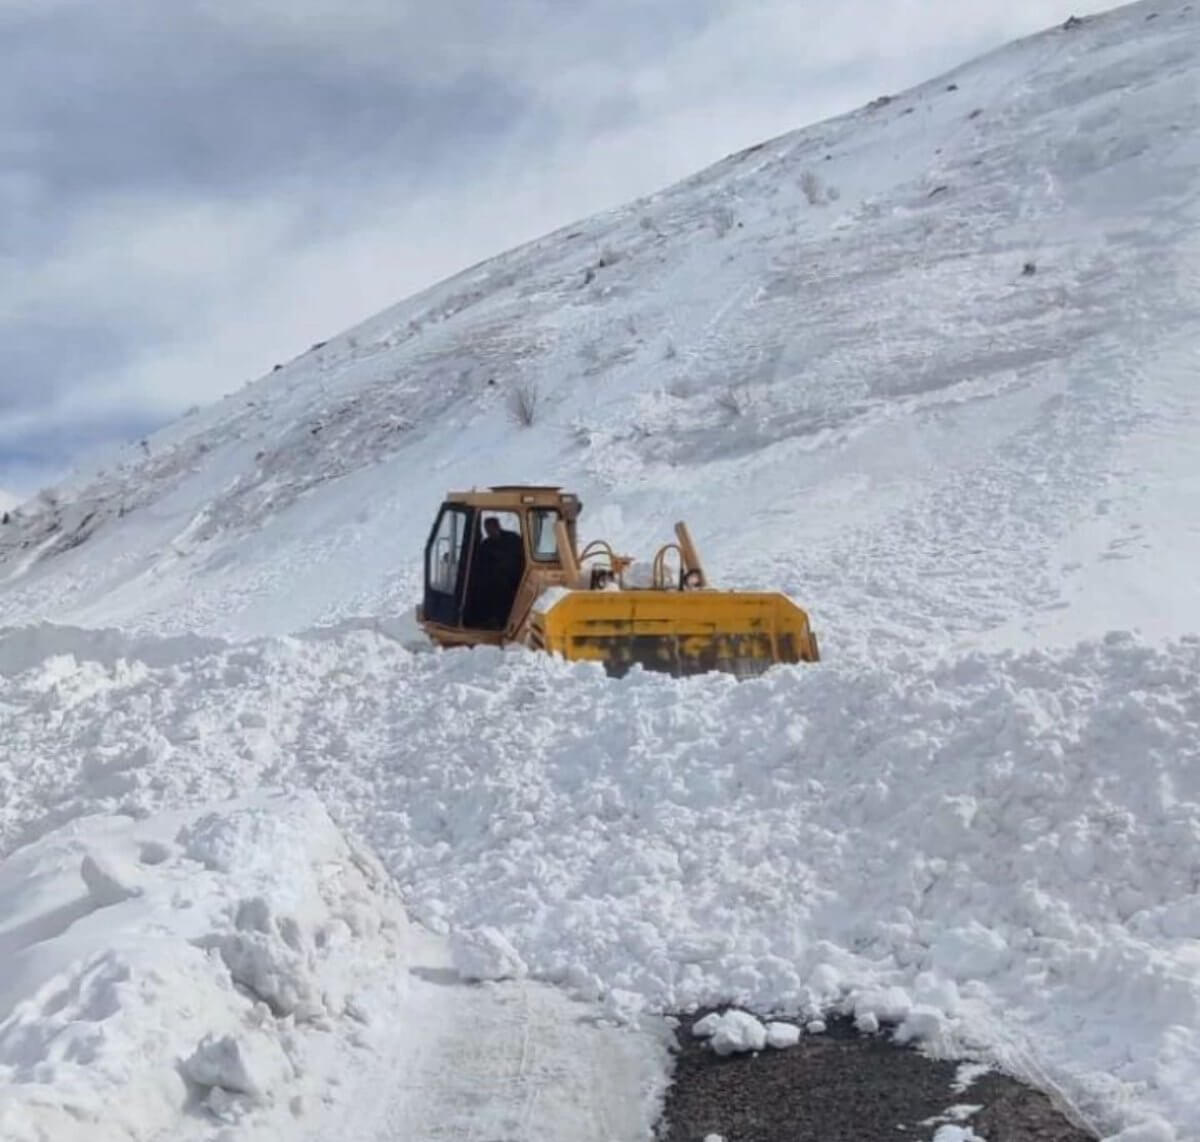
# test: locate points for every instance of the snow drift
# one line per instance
(1000, 852)
(179, 963)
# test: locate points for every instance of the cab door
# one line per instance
(447, 554)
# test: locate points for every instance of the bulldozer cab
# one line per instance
(492, 556)
(484, 547)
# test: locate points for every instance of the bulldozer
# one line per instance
(503, 565)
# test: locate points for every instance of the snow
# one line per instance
(251, 1065)
(507, 1059)
(966, 1076)
(950, 1133)
(238, 958)
(737, 1031)
(128, 949)
(484, 953)
(960, 1112)
(999, 851)
(705, 1028)
(782, 1035)
(224, 765)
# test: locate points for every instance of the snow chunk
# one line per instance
(738, 1031)
(624, 1006)
(485, 953)
(922, 1024)
(967, 1074)
(931, 990)
(887, 1005)
(240, 841)
(250, 1063)
(706, 1028)
(782, 1035)
(970, 952)
(950, 1133)
(109, 880)
(270, 956)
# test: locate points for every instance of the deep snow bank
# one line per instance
(22, 648)
(1001, 850)
(154, 970)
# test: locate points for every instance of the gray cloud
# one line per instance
(95, 106)
(190, 192)
(38, 366)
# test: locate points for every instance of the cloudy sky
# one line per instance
(192, 190)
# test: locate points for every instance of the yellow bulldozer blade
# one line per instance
(676, 632)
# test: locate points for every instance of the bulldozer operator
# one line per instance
(500, 563)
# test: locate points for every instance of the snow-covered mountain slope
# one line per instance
(927, 367)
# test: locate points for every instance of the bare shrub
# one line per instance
(722, 220)
(523, 403)
(733, 399)
(813, 188)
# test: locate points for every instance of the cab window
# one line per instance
(543, 543)
(446, 551)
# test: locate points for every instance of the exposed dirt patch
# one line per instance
(841, 1086)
